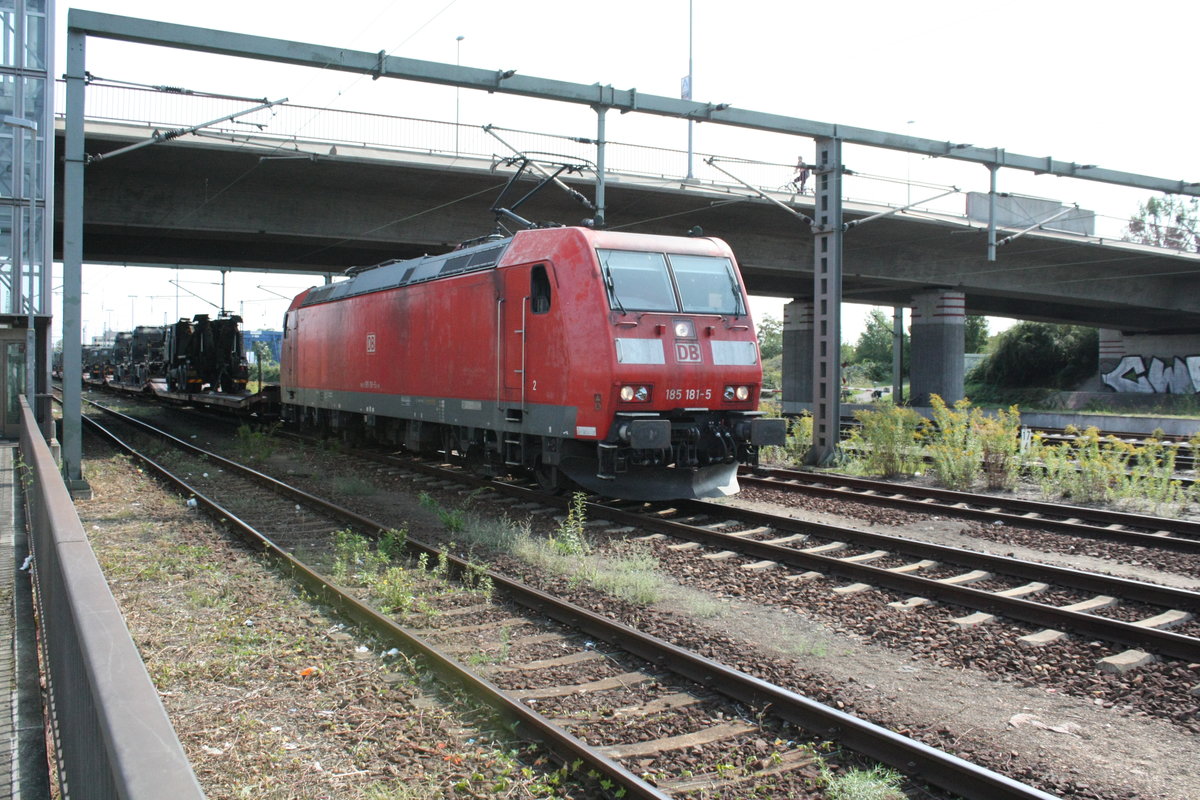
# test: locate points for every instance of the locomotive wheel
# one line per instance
(549, 478)
(476, 462)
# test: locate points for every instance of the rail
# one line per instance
(112, 738)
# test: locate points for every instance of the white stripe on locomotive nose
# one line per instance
(727, 354)
(640, 351)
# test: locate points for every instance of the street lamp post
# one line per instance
(688, 94)
(457, 89)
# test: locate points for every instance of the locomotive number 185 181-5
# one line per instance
(689, 394)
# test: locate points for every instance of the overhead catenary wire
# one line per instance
(215, 95)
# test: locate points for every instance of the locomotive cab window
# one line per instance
(637, 281)
(672, 282)
(539, 289)
(707, 285)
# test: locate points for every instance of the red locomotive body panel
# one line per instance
(562, 348)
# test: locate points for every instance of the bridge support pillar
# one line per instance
(938, 344)
(797, 356)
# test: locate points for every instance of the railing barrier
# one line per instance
(112, 738)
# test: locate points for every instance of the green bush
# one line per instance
(887, 441)
(797, 442)
(1000, 437)
(1086, 469)
(955, 447)
(1037, 354)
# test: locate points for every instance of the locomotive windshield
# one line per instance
(639, 281)
(707, 285)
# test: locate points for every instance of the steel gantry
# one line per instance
(830, 138)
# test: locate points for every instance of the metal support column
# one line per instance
(601, 145)
(72, 452)
(898, 354)
(991, 255)
(827, 301)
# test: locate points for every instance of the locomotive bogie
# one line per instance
(625, 362)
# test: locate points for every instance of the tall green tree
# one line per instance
(1167, 221)
(770, 337)
(874, 347)
(976, 334)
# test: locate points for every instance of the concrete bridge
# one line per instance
(326, 202)
(323, 204)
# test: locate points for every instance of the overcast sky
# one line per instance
(1092, 82)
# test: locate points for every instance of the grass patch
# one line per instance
(453, 520)
(353, 486)
(629, 572)
(256, 444)
(877, 783)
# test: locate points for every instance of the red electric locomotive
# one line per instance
(624, 362)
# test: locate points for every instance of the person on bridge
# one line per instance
(802, 173)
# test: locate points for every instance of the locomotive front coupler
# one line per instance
(648, 432)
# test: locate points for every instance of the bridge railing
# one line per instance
(287, 128)
(288, 123)
(112, 738)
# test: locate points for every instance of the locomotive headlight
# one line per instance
(737, 393)
(635, 394)
(743, 393)
(729, 394)
(684, 329)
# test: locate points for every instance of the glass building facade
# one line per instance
(26, 153)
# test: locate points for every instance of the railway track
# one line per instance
(920, 571)
(551, 658)
(1140, 530)
(814, 550)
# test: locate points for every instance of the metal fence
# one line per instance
(112, 738)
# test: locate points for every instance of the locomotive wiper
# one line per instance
(612, 289)
(739, 309)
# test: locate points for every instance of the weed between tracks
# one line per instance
(626, 570)
(964, 446)
(878, 783)
(257, 444)
(409, 587)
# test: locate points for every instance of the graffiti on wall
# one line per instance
(1175, 375)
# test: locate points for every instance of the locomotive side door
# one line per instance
(289, 349)
(512, 338)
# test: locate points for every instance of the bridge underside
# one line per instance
(195, 202)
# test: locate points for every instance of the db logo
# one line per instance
(687, 353)
(370, 343)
